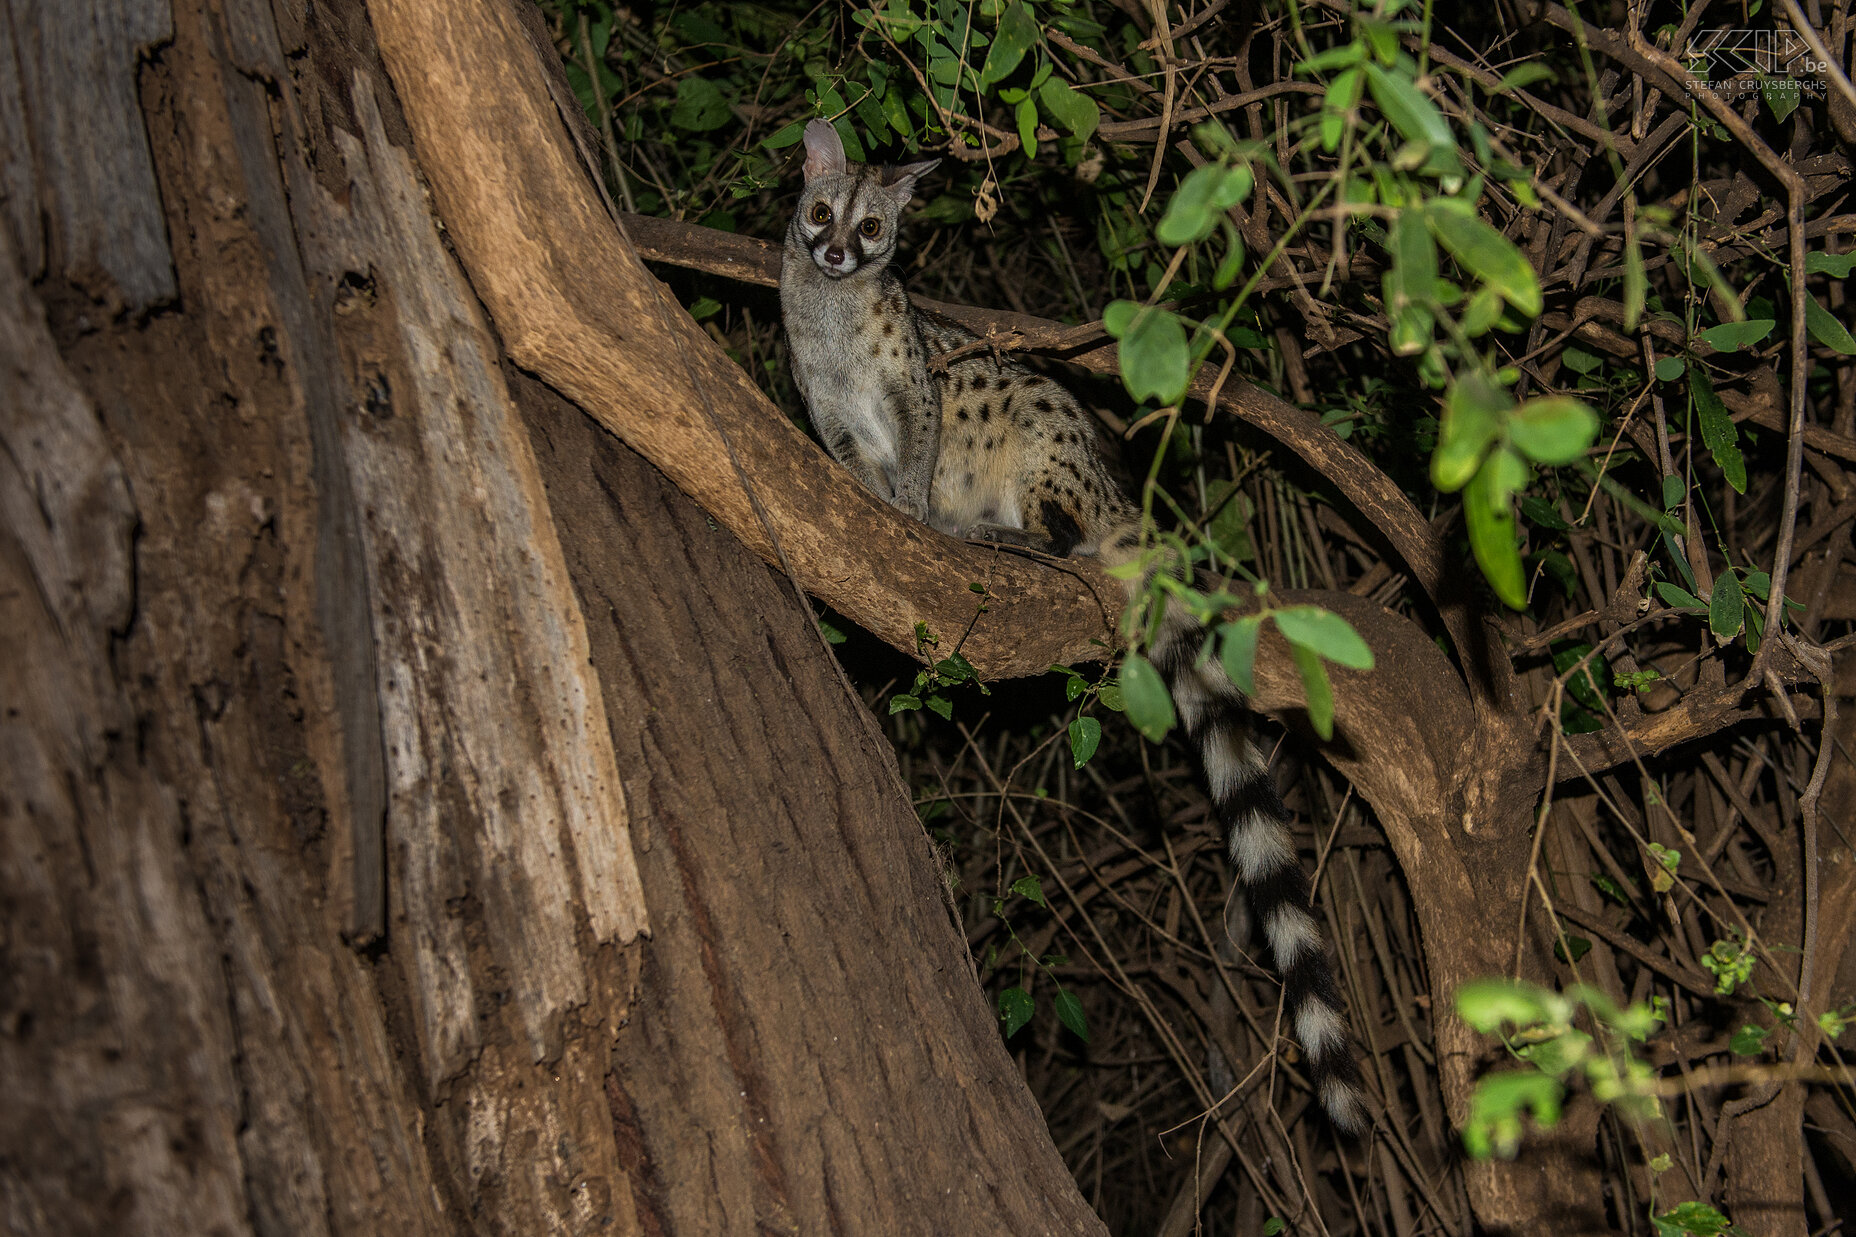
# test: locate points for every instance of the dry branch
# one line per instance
(1381, 504)
(575, 306)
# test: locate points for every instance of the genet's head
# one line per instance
(848, 212)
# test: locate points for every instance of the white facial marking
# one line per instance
(1291, 932)
(1259, 847)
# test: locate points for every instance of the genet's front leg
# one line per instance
(845, 449)
(916, 410)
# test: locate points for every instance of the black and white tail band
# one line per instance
(1217, 722)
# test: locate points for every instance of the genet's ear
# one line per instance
(824, 152)
(902, 180)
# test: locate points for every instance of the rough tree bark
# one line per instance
(306, 587)
(334, 629)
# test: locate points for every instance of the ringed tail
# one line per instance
(1216, 719)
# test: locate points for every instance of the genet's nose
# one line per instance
(834, 255)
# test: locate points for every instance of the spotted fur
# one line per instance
(989, 448)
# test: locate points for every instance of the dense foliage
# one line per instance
(1583, 305)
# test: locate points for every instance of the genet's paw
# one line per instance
(1000, 534)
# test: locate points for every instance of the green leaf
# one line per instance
(1227, 526)
(1015, 1010)
(1838, 264)
(1663, 879)
(1561, 1053)
(1572, 949)
(1016, 33)
(1726, 607)
(1781, 95)
(1553, 430)
(1539, 511)
(898, 703)
(1326, 633)
(1414, 116)
(1070, 108)
(1473, 409)
(1143, 691)
(1583, 686)
(1030, 887)
(1733, 336)
(847, 133)
(1636, 282)
(1826, 330)
(1110, 696)
(1486, 254)
(942, 705)
(1580, 361)
(1274, 1225)
(1085, 737)
(1026, 115)
(1496, 1107)
(1677, 555)
(1410, 284)
(1380, 36)
(1717, 429)
(1669, 368)
(1749, 1040)
(701, 105)
(1237, 648)
(897, 114)
(1199, 202)
(1679, 597)
(1522, 77)
(1334, 58)
(1485, 1004)
(1696, 1219)
(1316, 689)
(1154, 356)
(1674, 491)
(785, 137)
(1483, 311)
(1343, 95)
(1232, 260)
(1070, 1014)
(1489, 512)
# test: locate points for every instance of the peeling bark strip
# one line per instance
(490, 708)
(575, 305)
(253, 58)
(75, 154)
(88, 1094)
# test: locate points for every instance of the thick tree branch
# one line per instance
(575, 306)
(1381, 504)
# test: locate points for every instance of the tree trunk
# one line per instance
(419, 816)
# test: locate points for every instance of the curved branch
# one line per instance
(575, 305)
(1380, 503)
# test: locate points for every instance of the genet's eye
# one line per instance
(870, 227)
(821, 213)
